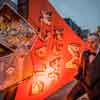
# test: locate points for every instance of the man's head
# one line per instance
(93, 41)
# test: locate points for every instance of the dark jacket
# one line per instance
(90, 73)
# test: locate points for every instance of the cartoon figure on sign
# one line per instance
(43, 36)
(37, 87)
(74, 50)
(44, 78)
(59, 34)
(41, 52)
(58, 41)
(46, 17)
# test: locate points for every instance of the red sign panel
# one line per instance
(55, 53)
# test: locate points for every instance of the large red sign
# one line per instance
(55, 53)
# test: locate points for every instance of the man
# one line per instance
(98, 30)
(88, 77)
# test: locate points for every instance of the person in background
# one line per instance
(98, 30)
(88, 77)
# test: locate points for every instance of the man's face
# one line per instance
(93, 43)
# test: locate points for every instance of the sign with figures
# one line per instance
(55, 53)
(15, 44)
(15, 32)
